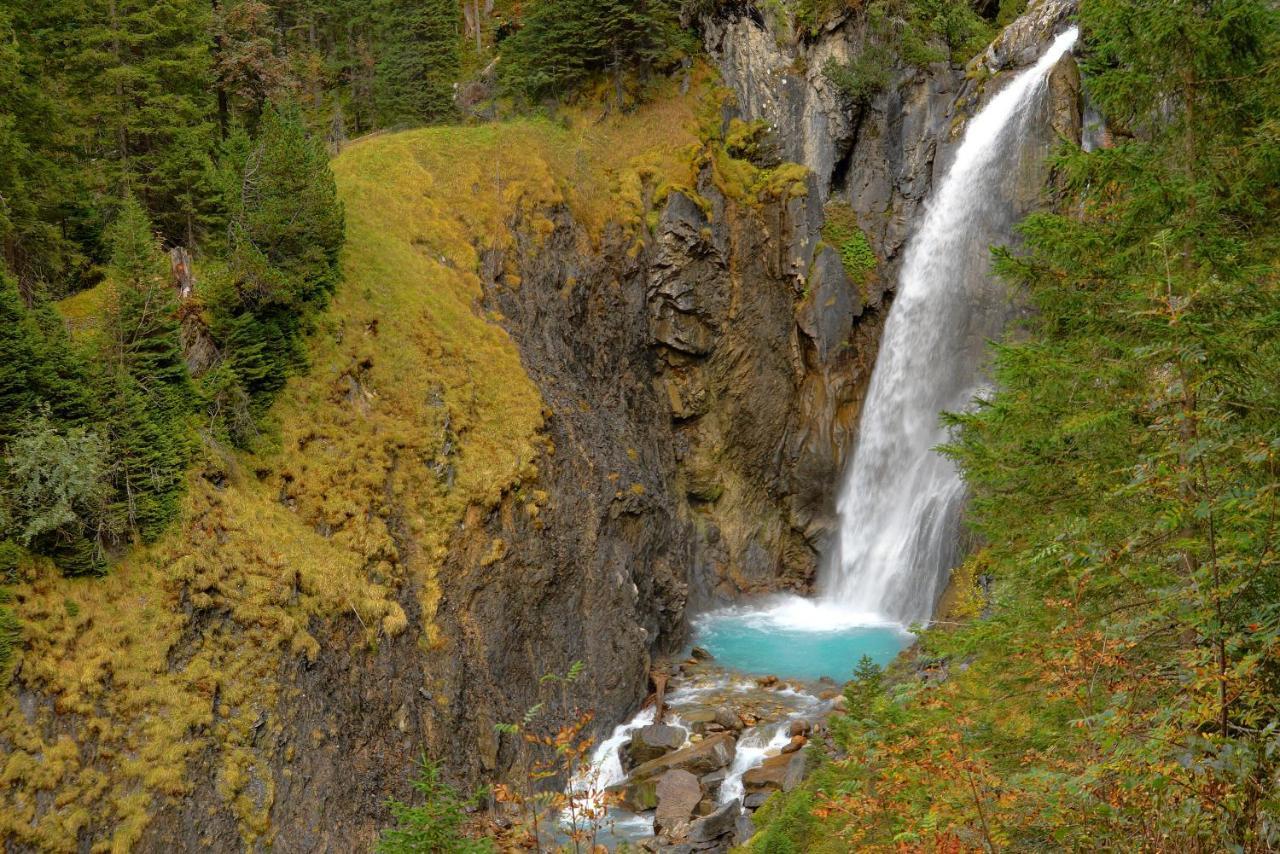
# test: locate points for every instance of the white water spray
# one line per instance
(900, 503)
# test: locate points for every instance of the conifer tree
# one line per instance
(34, 188)
(37, 366)
(138, 79)
(419, 61)
(564, 42)
(286, 230)
(151, 396)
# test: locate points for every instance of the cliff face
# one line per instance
(458, 511)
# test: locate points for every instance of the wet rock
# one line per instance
(796, 742)
(717, 824)
(638, 795)
(651, 742)
(727, 719)
(767, 681)
(800, 726)
(699, 720)
(700, 654)
(711, 754)
(678, 795)
(755, 800)
(743, 829)
(706, 806)
(711, 782)
(777, 773)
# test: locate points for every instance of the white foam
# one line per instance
(796, 614)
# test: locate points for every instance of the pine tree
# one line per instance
(563, 43)
(140, 98)
(285, 234)
(151, 396)
(419, 62)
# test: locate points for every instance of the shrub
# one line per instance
(436, 825)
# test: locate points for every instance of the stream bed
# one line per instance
(740, 709)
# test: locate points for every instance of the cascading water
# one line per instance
(899, 505)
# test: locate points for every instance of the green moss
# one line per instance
(841, 230)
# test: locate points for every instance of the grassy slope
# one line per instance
(408, 381)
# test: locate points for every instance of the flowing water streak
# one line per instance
(900, 503)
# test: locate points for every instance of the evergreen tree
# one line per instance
(563, 43)
(33, 185)
(37, 366)
(138, 83)
(419, 62)
(144, 328)
(151, 396)
(285, 235)
(1141, 418)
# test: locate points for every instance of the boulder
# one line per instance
(717, 824)
(755, 800)
(796, 742)
(710, 754)
(650, 742)
(714, 779)
(727, 719)
(637, 795)
(743, 829)
(699, 719)
(700, 654)
(783, 772)
(800, 726)
(678, 796)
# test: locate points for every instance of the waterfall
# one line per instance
(900, 503)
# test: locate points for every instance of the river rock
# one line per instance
(715, 825)
(678, 795)
(699, 719)
(783, 772)
(727, 719)
(650, 742)
(638, 795)
(743, 829)
(755, 800)
(711, 782)
(796, 742)
(700, 654)
(711, 754)
(800, 726)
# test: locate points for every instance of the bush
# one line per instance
(840, 229)
(436, 825)
(57, 488)
(907, 33)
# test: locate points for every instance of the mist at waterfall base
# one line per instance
(900, 503)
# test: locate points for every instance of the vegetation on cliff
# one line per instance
(412, 419)
(1122, 693)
